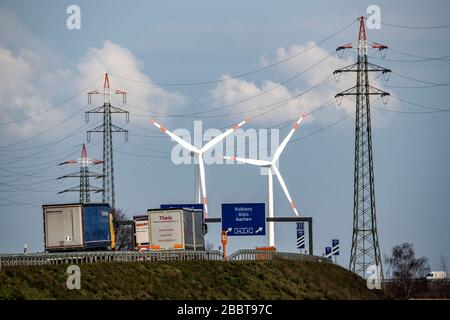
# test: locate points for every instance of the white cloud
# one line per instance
(233, 90)
(346, 80)
(269, 92)
(28, 88)
(16, 37)
(19, 95)
(116, 60)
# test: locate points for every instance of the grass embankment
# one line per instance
(279, 279)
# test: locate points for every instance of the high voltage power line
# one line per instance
(193, 83)
(230, 105)
(51, 166)
(47, 147)
(414, 79)
(419, 87)
(277, 104)
(200, 114)
(332, 124)
(220, 80)
(45, 131)
(135, 155)
(244, 74)
(411, 112)
(52, 107)
(418, 56)
(416, 27)
(445, 58)
(433, 108)
(421, 105)
(47, 155)
(436, 109)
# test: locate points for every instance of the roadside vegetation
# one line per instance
(278, 279)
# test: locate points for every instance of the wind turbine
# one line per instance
(272, 168)
(199, 152)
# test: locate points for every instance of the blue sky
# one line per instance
(43, 63)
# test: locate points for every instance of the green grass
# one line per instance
(278, 279)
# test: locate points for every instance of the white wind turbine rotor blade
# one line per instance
(283, 186)
(222, 136)
(203, 183)
(182, 142)
(215, 140)
(255, 162)
(286, 140)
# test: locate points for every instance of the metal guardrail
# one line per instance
(34, 259)
(37, 259)
(251, 254)
(301, 257)
(418, 281)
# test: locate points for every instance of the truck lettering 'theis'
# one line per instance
(175, 229)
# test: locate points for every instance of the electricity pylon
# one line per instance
(107, 128)
(85, 188)
(365, 250)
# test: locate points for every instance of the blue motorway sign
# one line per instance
(335, 247)
(300, 228)
(244, 219)
(328, 252)
(300, 235)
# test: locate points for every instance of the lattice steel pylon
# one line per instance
(85, 188)
(365, 251)
(107, 128)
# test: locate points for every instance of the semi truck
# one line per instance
(176, 228)
(78, 227)
(140, 228)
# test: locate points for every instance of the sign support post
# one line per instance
(335, 249)
(224, 238)
(309, 220)
(300, 235)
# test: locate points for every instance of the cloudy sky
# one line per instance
(186, 61)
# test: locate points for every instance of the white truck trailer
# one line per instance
(176, 229)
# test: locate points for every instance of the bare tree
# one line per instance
(123, 231)
(405, 268)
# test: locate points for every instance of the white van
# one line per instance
(435, 275)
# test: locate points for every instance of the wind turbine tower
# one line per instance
(272, 168)
(199, 153)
